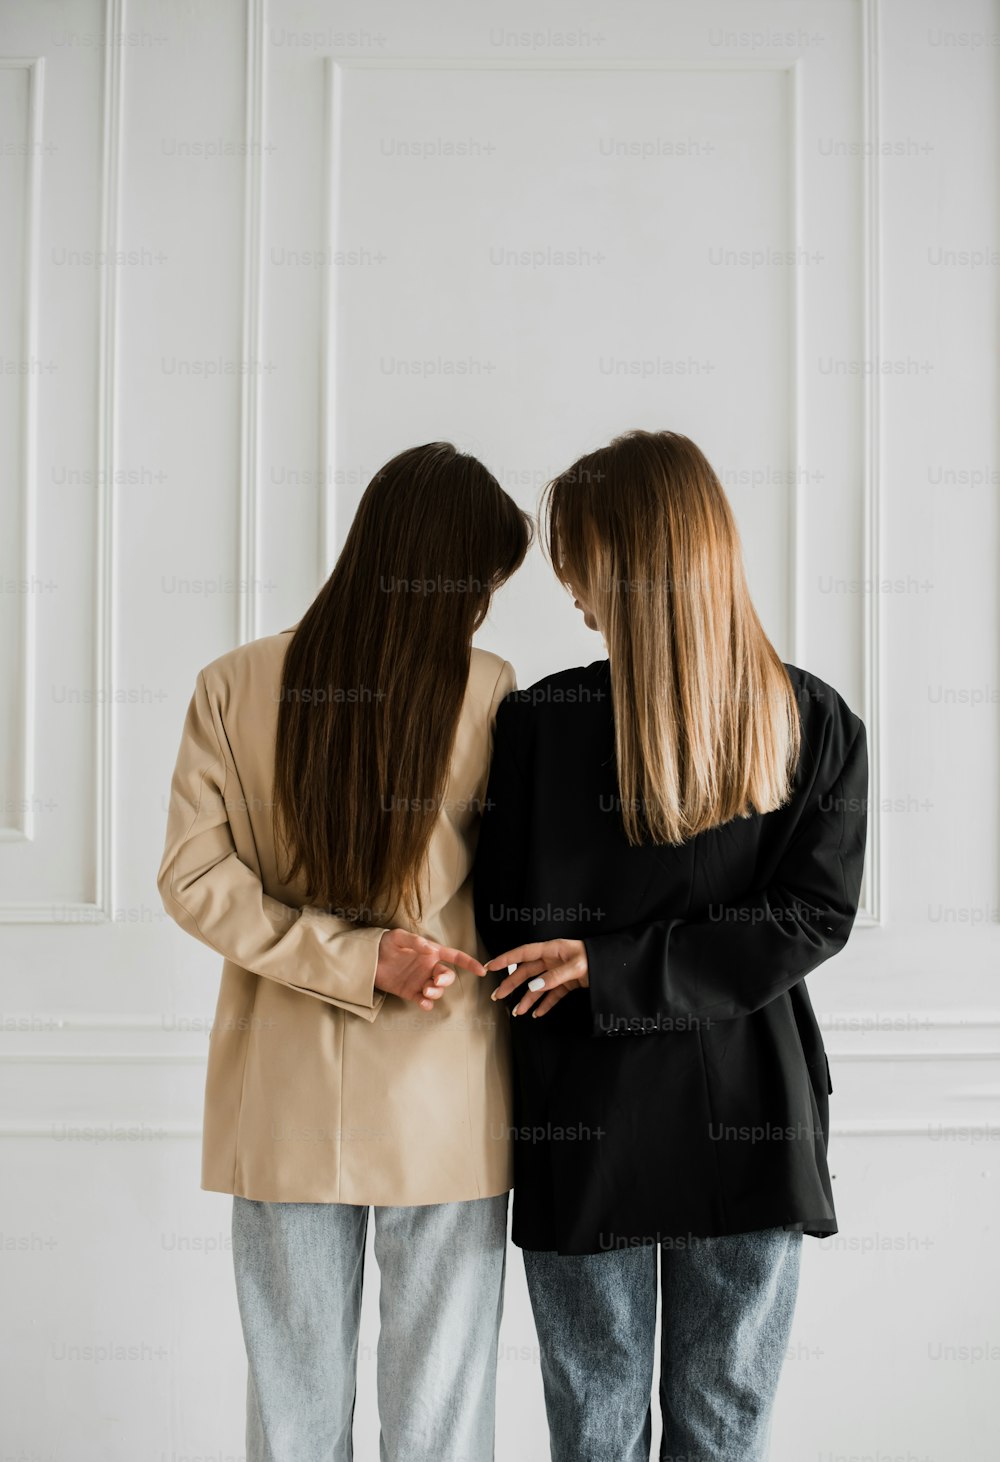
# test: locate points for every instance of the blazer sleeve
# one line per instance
(209, 892)
(672, 973)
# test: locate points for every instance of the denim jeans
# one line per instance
(298, 1270)
(727, 1306)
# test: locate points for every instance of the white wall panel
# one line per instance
(59, 727)
(20, 110)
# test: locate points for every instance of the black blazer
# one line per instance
(686, 1092)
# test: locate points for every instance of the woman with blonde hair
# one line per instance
(674, 838)
(323, 819)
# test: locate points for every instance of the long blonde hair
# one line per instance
(706, 722)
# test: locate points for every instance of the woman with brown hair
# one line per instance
(674, 838)
(323, 818)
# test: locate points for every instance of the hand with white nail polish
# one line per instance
(552, 969)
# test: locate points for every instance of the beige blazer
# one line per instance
(320, 1088)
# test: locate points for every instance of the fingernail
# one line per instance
(511, 969)
(538, 983)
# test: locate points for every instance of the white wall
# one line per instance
(201, 416)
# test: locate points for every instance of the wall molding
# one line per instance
(872, 659)
(930, 1130)
(907, 1022)
(148, 1130)
(871, 911)
(914, 1127)
(796, 517)
(947, 1053)
(899, 1022)
(248, 627)
(23, 829)
(103, 1058)
(863, 1037)
(326, 525)
(99, 910)
(199, 1058)
(106, 606)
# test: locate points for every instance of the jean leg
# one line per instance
(442, 1268)
(595, 1315)
(298, 1269)
(728, 1304)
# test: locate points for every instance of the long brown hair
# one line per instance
(375, 675)
(706, 722)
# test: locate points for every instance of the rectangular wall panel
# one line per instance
(20, 369)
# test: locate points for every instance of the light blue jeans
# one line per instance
(298, 1273)
(727, 1306)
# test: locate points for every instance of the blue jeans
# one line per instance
(298, 1273)
(727, 1306)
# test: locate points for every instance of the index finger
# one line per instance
(461, 959)
(519, 956)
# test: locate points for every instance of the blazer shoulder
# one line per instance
(830, 727)
(485, 666)
(578, 686)
(819, 696)
(485, 672)
(245, 662)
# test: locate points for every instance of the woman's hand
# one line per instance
(416, 969)
(553, 968)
